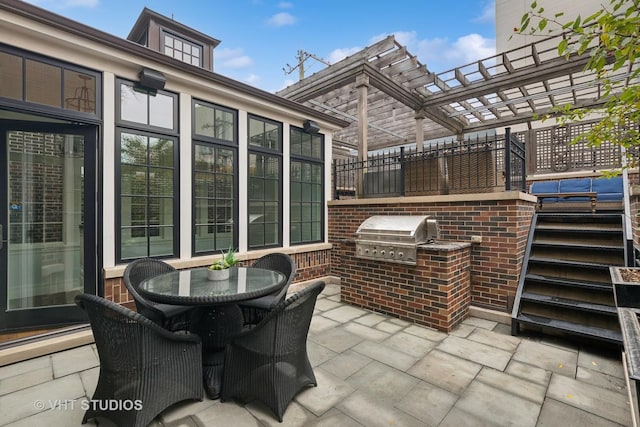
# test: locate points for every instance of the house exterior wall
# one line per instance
(114, 62)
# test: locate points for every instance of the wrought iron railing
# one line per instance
(483, 164)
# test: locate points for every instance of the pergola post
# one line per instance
(420, 131)
(362, 84)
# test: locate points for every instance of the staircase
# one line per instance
(565, 287)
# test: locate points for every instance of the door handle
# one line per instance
(1, 238)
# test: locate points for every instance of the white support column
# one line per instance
(243, 185)
(419, 131)
(185, 148)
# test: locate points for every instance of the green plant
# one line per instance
(228, 260)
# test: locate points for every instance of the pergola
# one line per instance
(391, 99)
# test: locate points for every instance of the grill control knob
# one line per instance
(382, 252)
(366, 251)
(375, 251)
(400, 254)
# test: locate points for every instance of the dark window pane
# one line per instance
(133, 148)
(161, 182)
(133, 180)
(161, 152)
(43, 83)
(204, 120)
(79, 91)
(11, 78)
(225, 125)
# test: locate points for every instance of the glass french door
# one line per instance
(47, 222)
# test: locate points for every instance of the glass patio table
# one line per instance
(216, 315)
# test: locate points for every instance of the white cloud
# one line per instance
(488, 14)
(252, 79)
(281, 19)
(232, 58)
(285, 5)
(341, 53)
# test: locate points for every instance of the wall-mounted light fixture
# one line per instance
(152, 79)
(310, 126)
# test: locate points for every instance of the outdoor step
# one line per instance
(571, 304)
(570, 263)
(614, 245)
(577, 273)
(590, 255)
(601, 334)
(562, 282)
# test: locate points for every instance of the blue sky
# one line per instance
(260, 38)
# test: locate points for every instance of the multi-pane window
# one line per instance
(214, 181)
(48, 83)
(148, 176)
(265, 183)
(182, 49)
(307, 194)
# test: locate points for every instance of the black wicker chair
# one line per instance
(269, 362)
(171, 317)
(143, 367)
(254, 310)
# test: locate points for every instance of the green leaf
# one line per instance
(542, 24)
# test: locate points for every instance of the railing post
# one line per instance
(402, 170)
(507, 159)
(334, 180)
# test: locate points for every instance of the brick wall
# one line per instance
(435, 292)
(495, 263)
(309, 266)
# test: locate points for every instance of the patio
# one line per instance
(374, 370)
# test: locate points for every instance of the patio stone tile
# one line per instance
(75, 360)
(345, 313)
(599, 379)
(507, 343)
(503, 329)
(370, 319)
(25, 374)
(386, 354)
(318, 354)
(556, 413)
(491, 405)
(17, 369)
(560, 343)
(373, 412)
(410, 344)
(334, 418)
(550, 358)
(399, 322)
(89, 380)
(294, 416)
(325, 304)
(220, 414)
(331, 289)
(382, 381)
(480, 323)
(512, 385)
(609, 363)
(424, 332)
(320, 323)
(445, 371)
(462, 330)
(41, 397)
(366, 332)
(608, 404)
(459, 418)
(389, 327)
(475, 352)
(528, 372)
(345, 364)
(328, 393)
(427, 403)
(335, 298)
(185, 409)
(337, 339)
(54, 417)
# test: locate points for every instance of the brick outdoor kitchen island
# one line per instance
(435, 292)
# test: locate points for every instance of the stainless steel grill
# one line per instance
(395, 238)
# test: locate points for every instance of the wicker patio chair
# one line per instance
(143, 367)
(269, 362)
(171, 317)
(254, 310)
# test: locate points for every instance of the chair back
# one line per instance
(284, 330)
(139, 270)
(282, 263)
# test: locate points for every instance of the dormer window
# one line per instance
(182, 49)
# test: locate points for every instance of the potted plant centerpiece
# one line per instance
(219, 270)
